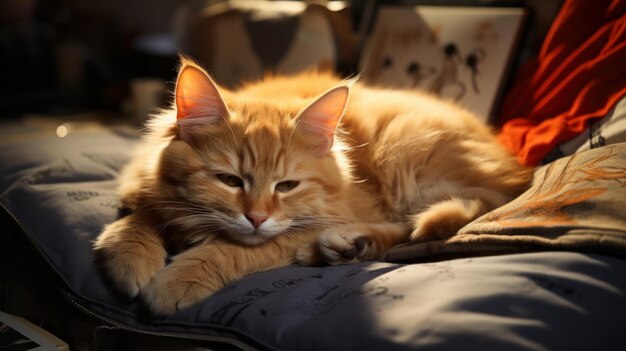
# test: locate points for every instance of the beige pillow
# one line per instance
(575, 203)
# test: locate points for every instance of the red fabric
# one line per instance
(579, 75)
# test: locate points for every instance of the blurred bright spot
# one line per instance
(62, 131)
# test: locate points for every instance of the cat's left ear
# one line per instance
(320, 119)
(198, 100)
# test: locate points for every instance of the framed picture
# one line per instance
(459, 53)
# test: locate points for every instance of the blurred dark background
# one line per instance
(63, 57)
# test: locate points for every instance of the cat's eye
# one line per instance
(230, 180)
(286, 186)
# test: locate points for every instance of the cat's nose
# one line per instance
(256, 218)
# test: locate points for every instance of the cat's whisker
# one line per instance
(167, 202)
(175, 210)
(188, 221)
(185, 206)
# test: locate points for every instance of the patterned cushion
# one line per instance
(58, 193)
(575, 203)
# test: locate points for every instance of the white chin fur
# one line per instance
(242, 231)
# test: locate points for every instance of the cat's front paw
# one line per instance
(129, 259)
(180, 285)
(335, 246)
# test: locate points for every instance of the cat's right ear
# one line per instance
(198, 100)
(320, 119)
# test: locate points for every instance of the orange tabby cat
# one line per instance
(305, 168)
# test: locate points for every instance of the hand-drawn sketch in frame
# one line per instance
(458, 53)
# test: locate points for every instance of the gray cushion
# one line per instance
(61, 192)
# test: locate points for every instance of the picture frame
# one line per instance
(462, 54)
